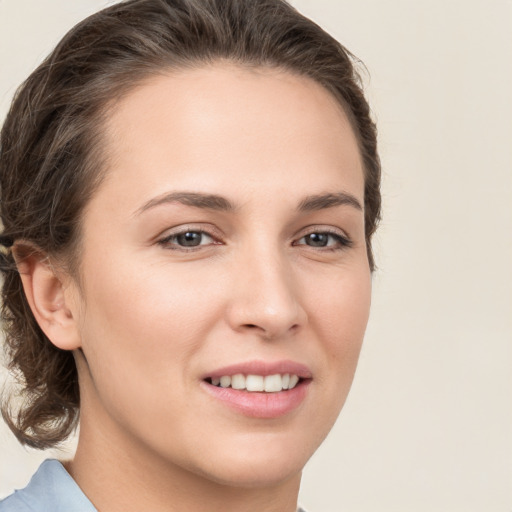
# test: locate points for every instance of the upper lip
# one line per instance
(263, 368)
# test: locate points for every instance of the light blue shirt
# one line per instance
(51, 489)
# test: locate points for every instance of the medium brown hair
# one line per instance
(51, 157)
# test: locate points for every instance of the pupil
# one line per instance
(189, 239)
(318, 239)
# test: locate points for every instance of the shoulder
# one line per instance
(51, 488)
(14, 503)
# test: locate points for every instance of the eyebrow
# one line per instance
(220, 203)
(330, 200)
(197, 200)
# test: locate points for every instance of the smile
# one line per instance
(259, 389)
(257, 383)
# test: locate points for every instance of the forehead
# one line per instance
(208, 126)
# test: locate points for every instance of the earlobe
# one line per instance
(45, 292)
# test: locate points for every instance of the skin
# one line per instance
(151, 317)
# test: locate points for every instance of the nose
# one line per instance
(265, 298)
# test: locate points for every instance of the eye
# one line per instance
(324, 239)
(188, 239)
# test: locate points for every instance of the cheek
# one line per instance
(140, 331)
(339, 306)
(339, 314)
(147, 318)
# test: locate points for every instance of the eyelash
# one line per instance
(342, 242)
(166, 242)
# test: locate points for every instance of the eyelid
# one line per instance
(344, 239)
(319, 228)
(207, 229)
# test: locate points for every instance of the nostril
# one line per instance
(269, 333)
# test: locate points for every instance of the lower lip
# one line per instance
(260, 405)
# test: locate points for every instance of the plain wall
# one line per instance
(428, 424)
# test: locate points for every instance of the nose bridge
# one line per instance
(266, 298)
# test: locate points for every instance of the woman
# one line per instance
(189, 191)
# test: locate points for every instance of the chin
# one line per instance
(258, 461)
(250, 474)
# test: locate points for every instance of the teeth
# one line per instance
(225, 382)
(273, 383)
(238, 381)
(255, 383)
(269, 383)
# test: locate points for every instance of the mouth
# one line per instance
(258, 389)
(256, 383)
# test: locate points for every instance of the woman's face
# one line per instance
(226, 239)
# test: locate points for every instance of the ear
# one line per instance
(46, 294)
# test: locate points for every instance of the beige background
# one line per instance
(428, 425)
